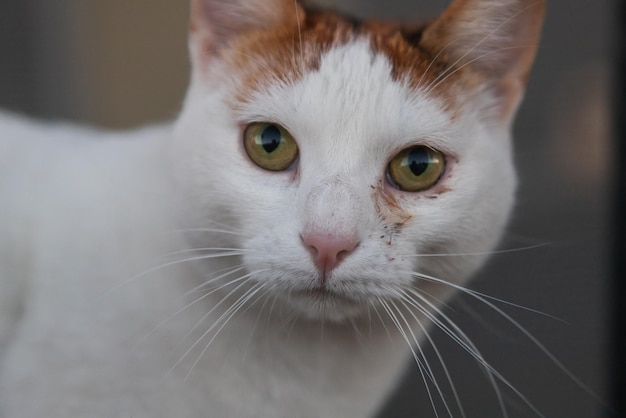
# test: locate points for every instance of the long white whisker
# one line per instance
(433, 86)
(420, 366)
(220, 275)
(218, 250)
(430, 370)
(247, 278)
(256, 321)
(495, 252)
(224, 319)
(197, 300)
(215, 230)
(483, 295)
(359, 335)
(269, 315)
(243, 279)
(435, 349)
(461, 338)
(445, 74)
(517, 325)
(165, 265)
(432, 62)
(383, 322)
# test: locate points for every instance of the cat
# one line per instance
(282, 248)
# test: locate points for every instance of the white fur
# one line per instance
(85, 213)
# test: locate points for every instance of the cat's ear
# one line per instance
(497, 39)
(215, 23)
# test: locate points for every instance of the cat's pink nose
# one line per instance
(328, 250)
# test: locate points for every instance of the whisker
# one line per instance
(369, 320)
(224, 319)
(495, 252)
(168, 264)
(243, 279)
(292, 324)
(238, 251)
(461, 338)
(420, 366)
(212, 327)
(432, 62)
(383, 322)
(429, 368)
(476, 45)
(483, 295)
(220, 231)
(437, 353)
(434, 85)
(220, 275)
(484, 299)
(197, 300)
(256, 321)
(359, 335)
(208, 223)
(269, 316)
(246, 279)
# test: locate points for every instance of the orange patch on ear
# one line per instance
(459, 54)
(494, 40)
(286, 53)
(215, 24)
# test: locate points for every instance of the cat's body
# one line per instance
(310, 269)
(78, 350)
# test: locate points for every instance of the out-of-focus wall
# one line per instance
(132, 58)
(115, 63)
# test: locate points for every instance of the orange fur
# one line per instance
(287, 52)
(451, 57)
(388, 208)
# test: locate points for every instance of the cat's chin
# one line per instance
(322, 304)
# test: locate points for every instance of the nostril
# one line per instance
(328, 250)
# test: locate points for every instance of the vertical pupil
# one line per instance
(270, 138)
(418, 161)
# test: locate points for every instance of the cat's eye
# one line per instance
(416, 169)
(270, 146)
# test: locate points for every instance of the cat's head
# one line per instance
(354, 161)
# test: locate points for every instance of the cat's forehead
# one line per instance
(350, 115)
(287, 54)
(352, 94)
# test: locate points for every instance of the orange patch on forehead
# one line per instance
(285, 54)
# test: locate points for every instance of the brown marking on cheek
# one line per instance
(388, 208)
(438, 191)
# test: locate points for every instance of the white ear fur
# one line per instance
(496, 38)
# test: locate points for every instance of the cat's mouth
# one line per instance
(324, 293)
(321, 302)
(319, 292)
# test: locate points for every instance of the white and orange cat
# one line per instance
(329, 184)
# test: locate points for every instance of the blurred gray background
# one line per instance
(122, 63)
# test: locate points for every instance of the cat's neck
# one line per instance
(304, 367)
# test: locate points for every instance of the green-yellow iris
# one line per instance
(270, 146)
(416, 169)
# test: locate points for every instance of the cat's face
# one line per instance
(354, 162)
